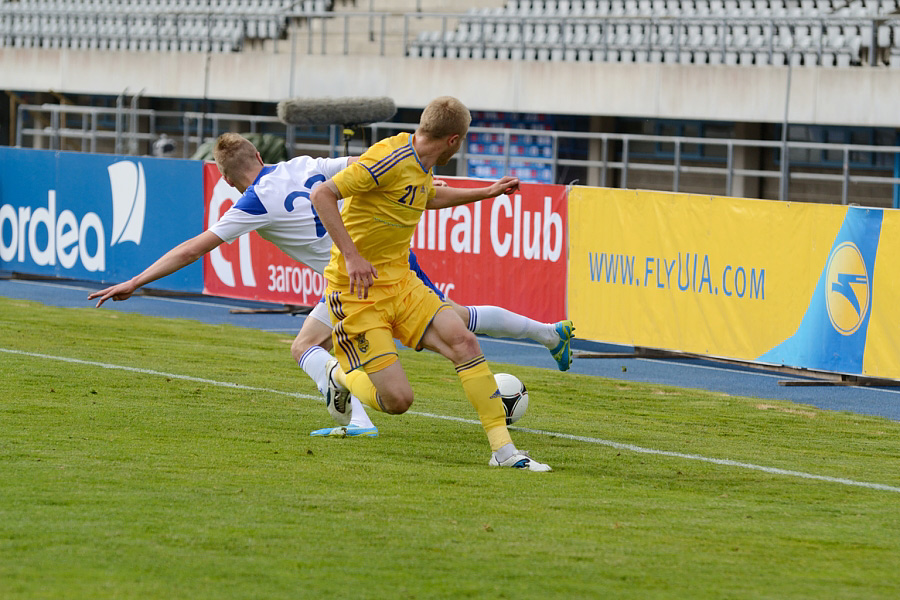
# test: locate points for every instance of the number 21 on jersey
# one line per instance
(410, 195)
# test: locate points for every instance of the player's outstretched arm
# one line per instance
(450, 196)
(180, 256)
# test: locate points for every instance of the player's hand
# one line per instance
(507, 185)
(362, 275)
(122, 291)
(439, 183)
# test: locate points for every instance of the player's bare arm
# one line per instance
(180, 256)
(450, 196)
(360, 271)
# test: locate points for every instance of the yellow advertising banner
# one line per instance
(771, 282)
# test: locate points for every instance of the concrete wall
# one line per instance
(851, 96)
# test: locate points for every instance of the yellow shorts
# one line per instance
(365, 329)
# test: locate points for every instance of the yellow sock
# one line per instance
(362, 387)
(481, 390)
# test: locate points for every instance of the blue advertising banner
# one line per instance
(97, 217)
(832, 333)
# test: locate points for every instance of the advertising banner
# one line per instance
(507, 251)
(96, 217)
(252, 268)
(771, 282)
(882, 356)
(834, 326)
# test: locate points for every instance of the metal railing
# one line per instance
(609, 159)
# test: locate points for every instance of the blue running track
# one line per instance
(681, 372)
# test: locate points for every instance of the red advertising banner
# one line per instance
(507, 251)
(252, 268)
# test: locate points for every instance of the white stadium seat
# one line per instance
(535, 29)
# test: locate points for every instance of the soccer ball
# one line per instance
(513, 395)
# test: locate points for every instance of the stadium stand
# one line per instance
(827, 33)
(494, 147)
(576, 104)
(141, 25)
(732, 32)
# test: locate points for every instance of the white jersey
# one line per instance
(277, 206)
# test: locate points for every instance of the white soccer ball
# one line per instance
(513, 395)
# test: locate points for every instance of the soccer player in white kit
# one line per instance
(275, 203)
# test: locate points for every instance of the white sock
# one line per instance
(313, 364)
(359, 417)
(499, 322)
(505, 451)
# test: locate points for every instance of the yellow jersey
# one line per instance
(385, 193)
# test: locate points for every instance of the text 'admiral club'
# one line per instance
(511, 231)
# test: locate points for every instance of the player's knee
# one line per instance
(464, 345)
(396, 402)
(299, 346)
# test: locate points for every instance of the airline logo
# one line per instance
(832, 333)
(129, 198)
(847, 288)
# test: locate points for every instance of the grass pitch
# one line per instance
(191, 475)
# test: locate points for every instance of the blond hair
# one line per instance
(444, 116)
(234, 154)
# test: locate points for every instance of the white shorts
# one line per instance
(320, 313)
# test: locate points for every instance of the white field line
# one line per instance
(577, 438)
(697, 457)
(227, 384)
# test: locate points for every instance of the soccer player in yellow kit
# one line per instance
(373, 296)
